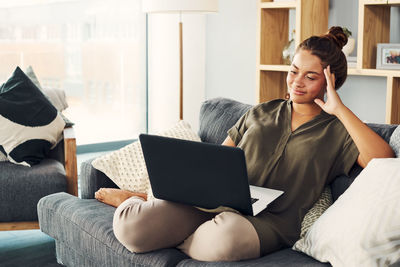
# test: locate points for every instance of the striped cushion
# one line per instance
(29, 124)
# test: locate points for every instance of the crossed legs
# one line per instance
(143, 226)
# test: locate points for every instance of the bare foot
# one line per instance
(114, 196)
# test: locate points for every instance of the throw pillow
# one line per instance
(126, 166)
(29, 123)
(3, 156)
(395, 141)
(56, 97)
(322, 204)
(31, 75)
(362, 228)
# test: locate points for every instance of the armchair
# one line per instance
(21, 187)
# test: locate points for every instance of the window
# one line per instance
(95, 50)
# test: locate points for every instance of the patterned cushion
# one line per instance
(126, 166)
(395, 141)
(362, 227)
(322, 204)
(29, 123)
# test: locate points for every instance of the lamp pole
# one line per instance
(180, 68)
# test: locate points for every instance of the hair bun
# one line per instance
(337, 35)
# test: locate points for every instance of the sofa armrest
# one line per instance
(70, 161)
(92, 180)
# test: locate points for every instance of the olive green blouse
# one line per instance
(301, 163)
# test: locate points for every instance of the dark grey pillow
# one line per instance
(217, 116)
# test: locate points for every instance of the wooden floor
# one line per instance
(30, 248)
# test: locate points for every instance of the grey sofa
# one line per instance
(82, 228)
(22, 187)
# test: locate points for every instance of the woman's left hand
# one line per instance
(333, 102)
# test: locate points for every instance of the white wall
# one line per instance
(231, 56)
(231, 51)
(163, 59)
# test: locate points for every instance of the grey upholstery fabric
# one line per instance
(285, 257)
(217, 116)
(384, 130)
(84, 234)
(21, 188)
(92, 180)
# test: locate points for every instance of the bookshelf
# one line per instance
(273, 22)
(312, 19)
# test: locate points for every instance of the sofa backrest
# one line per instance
(217, 115)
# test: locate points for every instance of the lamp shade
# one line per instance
(165, 6)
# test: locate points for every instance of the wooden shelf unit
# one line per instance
(374, 28)
(273, 21)
(312, 19)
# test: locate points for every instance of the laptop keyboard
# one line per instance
(254, 200)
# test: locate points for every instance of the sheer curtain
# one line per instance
(94, 50)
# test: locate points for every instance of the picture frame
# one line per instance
(388, 56)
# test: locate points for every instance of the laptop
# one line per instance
(208, 176)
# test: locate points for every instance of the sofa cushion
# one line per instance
(85, 228)
(29, 124)
(22, 187)
(217, 116)
(362, 227)
(395, 141)
(284, 258)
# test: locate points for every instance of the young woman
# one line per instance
(298, 145)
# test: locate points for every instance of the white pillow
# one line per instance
(395, 141)
(126, 166)
(362, 228)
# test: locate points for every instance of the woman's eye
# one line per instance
(293, 72)
(310, 78)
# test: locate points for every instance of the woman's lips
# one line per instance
(297, 92)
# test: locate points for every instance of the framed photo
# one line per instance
(388, 56)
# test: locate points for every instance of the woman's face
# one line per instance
(305, 79)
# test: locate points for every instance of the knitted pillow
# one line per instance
(322, 204)
(126, 167)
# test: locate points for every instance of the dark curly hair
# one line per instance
(328, 48)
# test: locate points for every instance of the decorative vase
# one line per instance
(288, 51)
(349, 47)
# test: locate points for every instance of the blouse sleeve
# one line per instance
(347, 157)
(237, 131)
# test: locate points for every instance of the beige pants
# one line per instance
(143, 226)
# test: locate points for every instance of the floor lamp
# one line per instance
(180, 6)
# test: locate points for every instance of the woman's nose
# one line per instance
(298, 82)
